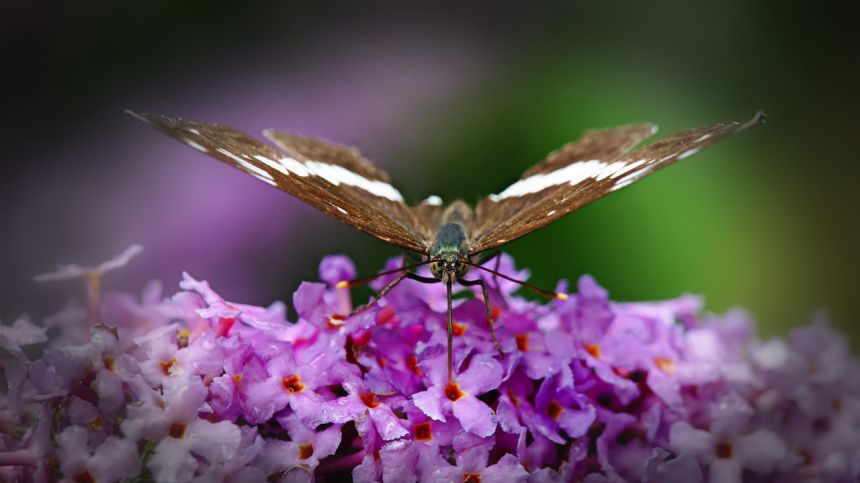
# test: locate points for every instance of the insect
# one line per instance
(338, 180)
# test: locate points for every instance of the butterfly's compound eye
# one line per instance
(461, 268)
(436, 269)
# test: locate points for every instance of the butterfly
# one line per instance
(339, 181)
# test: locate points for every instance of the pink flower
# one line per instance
(361, 402)
(113, 460)
(459, 397)
(196, 388)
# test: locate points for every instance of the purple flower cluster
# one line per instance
(195, 388)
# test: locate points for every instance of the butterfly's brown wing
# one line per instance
(334, 179)
(326, 152)
(421, 219)
(599, 163)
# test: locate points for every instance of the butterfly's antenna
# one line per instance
(538, 290)
(363, 280)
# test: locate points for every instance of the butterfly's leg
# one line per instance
(391, 285)
(450, 334)
(380, 294)
(483, 284)
(419, 278)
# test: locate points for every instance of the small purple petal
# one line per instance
(760, 451)
(308, 301)
(684, 438)
(662, 466)
(507, 415)
(507, 469)
(475, 416)
(483, 374)
(430, 402)
(387, 423)
(399, 462)
(336, 268)
(217, 442)
(342, 410)
(171, 461)
(115, 459)
(576, 422)
(327, 441)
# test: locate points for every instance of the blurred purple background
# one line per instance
(115, 181)
(455, 100)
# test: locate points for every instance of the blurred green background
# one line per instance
(766, 220)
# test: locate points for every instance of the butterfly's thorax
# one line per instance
(450, 248)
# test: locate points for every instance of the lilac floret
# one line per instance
(194, 387)
(336, 268)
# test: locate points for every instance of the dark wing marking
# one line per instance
(333, 179)
(581, 173)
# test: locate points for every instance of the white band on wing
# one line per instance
(571, 174)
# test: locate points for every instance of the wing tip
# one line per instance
(758, 118)
(652, 128)
(140, 116)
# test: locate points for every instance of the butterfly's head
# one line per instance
(449, 266)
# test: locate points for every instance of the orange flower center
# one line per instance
(523, 342)
(496, 311)
(664, 364)
(458, 328)
(385, 315)
(84, 477)
(593, 349)
(177, 430)
(96, 423)
(182, 338)
(293, 384)
(554, 409)
(453, 392)
(166, 366)
(412, 364)
(109, 363)
(422, 431)
(369, 400)
(723, 451)
(335, 321)
(306, 450)
(224, 325)
(471, 478)
(513, 397)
